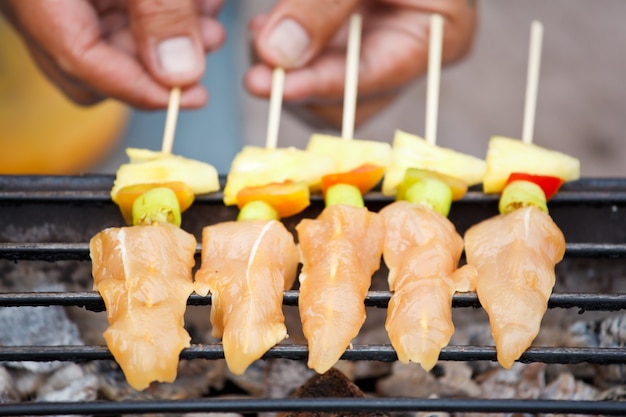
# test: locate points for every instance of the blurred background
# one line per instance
(581, 107)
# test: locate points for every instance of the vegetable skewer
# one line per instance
(248, 263)
(342, 247)
(410, 151)
(144, 272)
(422, 247)
(515, 252)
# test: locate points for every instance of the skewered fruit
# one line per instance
(255, 166)
(149, 167)
(410, 151)
(350, 154)
(506, 156)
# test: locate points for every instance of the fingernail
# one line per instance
(177, 55)
(289, 42)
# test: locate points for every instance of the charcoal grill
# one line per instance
(591, 213)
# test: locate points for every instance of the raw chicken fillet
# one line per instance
(144, 276)
(515, 255)
(246, 266)
(422, 251)
(340, 251)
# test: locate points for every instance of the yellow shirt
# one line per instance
(41, 131)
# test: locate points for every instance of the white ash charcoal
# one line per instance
(372, 369)
(285, 376)
(194, 379)
(521, 381)
(253, 380)
(37, 326)
(456, 379)
(412, 381)
(45, 276)
(474, 334)
(8, 393)
(421, 413)
(26, 382)
(606, 333)
(566, 387)
(80, 390)
(617, 393)
(60, 378)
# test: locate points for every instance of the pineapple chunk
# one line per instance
(505, 156)
(410, 151)
(350, 154)
(255, 166)
(150, 167)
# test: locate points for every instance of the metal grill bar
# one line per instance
(32, 202)
(337, 405)
(92, 301)
(382, 353)
(88, 196)
(80, 251)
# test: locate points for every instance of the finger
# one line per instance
(64, 36)
(212, 33)
(209, 7)
(394, 52)
(169, 39)
(297, 30)
(72, 88)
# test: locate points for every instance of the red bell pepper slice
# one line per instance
(550, 185)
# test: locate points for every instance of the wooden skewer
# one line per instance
(170, 120)
(532, 83)
(352, 76)
(276, 102)
(434, 74)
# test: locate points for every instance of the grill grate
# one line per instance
(78, 207)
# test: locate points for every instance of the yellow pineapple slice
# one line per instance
(350, 154)
(411, 151)
(150, 167)
(505, 156)
(255, 166)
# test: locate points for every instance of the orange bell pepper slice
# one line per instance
(287, 198)
(127, 196)
(364, 177)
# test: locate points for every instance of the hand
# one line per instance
(308, 37)
(134, 50)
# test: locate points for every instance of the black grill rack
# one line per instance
(588, 211)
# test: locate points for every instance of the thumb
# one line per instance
(168, 39)
(297, 30)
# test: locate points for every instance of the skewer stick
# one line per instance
(352, 76)
(434, 74)
(532, 82)
(170, 120)
(276, 102)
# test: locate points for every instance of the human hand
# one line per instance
(131, 50)
(308, 37)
